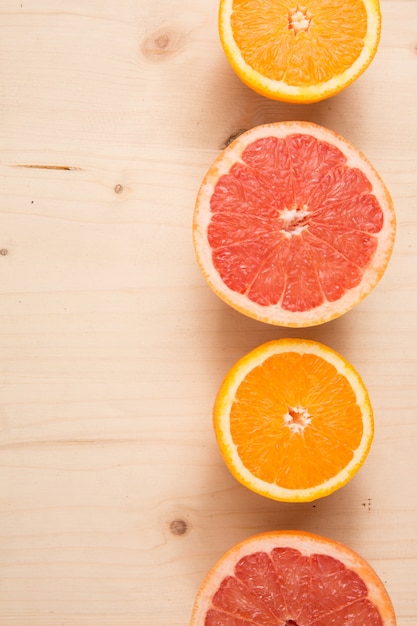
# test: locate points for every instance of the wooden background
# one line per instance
(114, 500)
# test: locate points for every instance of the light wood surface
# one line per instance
(114, 500)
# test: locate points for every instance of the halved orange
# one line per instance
(299, 51)
(292, 578)
(293, 420)
(292, 224)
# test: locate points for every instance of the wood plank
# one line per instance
(114, 500)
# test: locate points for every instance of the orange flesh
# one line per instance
(292, 224)
(300, 51)
(284, 587)
(280, 444)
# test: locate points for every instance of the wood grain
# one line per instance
(114, 500)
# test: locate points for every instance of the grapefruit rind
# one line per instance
(275, 314)
(280, 90)
(227, 393)
(308, 544)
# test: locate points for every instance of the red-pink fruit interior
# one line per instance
(288, 589)
(293, 224)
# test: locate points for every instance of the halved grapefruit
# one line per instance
(292, 578)
(292, 224)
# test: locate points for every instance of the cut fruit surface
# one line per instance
(292, 225)
(291, 578)
(293, 420)
(299, 52)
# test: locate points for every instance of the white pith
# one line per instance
(299, 19)
(297, 418)
(293, 220)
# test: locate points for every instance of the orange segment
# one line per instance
(292, 579)
(293, 420)
(299, 52)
